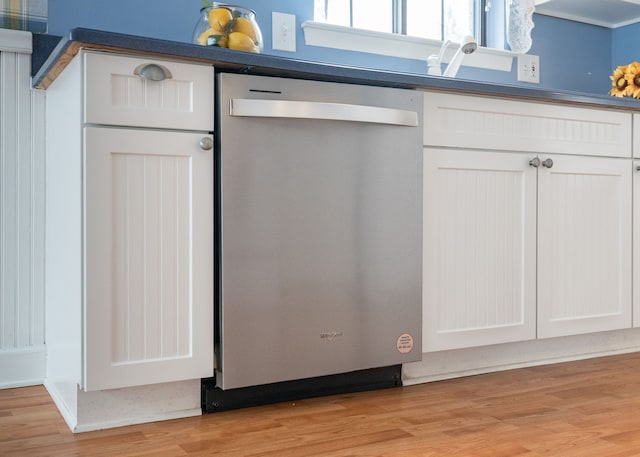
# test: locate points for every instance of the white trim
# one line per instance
(411, 381)
(136, 405)
(585, 19)
(22, 367)
(396, 45)
(81, 428)
(587, 11)
(15, 41)
(70, 417)
(90, 411)
(437, 366)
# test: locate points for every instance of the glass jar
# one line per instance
(228, 26)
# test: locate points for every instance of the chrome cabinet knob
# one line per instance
(206, 143)
(535, 162)
(637, 167)
(547, 163)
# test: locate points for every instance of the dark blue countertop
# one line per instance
(51, 54)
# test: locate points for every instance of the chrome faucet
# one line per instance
(434, 62)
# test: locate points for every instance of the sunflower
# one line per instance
(632, 76)
(619, 82)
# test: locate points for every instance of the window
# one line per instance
(418, 28)
(435, 19)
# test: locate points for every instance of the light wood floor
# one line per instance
(586, 408)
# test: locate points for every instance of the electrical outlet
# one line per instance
(283, 28)
(529, 68)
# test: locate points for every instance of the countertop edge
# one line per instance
(52, 54)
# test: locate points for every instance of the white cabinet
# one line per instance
(149, 258)
(479, 248)
(584, 245)
(129, 223)
(636, 243)
(636, 221)
(513, 250)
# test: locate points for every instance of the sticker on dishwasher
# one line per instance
(404, 343)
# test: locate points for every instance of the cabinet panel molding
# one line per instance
(133, 92)
(151, 213)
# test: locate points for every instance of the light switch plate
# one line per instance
(283, 27)
(529, 68)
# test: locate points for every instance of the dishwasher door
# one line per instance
(320, 229)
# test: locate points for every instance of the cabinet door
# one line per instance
(636, 238)
(148, 258)
(479, 248)
(584, 245)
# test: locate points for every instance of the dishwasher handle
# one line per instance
(321, 110)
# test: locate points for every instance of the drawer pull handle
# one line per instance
(152, 72)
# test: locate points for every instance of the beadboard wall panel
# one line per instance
(22, 217)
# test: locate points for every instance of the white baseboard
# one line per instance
(437, 366)
(90, 427)
(22, 367)
(135, 405)
(62, 403)
(97, 410)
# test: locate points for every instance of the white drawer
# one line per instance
(116, 94)
(468, 121)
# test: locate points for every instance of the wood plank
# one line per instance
(585, 408)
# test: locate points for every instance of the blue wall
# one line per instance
(175, 20)
(625, 49)
(573, 56)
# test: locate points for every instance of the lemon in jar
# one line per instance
(240, 41)
(244, 25)
(209, 36)
(219, 18)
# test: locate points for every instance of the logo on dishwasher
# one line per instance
(330, 336)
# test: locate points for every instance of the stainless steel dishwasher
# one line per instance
(320, 229)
